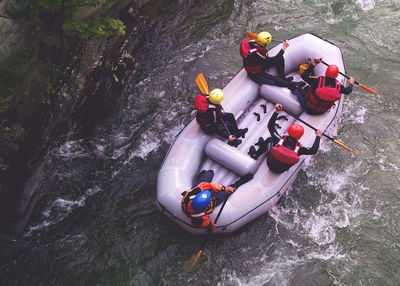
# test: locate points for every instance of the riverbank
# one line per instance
(54, 102)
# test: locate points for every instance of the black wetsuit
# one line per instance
(290, 142)
(224, 122)
(265, 78)
(329, 81)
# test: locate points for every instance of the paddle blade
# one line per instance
(367, 89)
(201, 83)
(344, 146)
(252, 36)
(191, 264)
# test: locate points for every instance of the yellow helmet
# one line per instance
(263, 39)
(302, 68)
(216, 96)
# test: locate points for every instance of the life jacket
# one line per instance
(246, 49)
(323, 98)
(204, 116)
(186, 203)
(281, 158)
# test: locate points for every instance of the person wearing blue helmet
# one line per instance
(199, 202)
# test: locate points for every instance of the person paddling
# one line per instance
(325, 90)
(212, 120)
(256, 61)
(283, 151)
(199, 202)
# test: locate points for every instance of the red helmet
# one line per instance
(296, 131)
(332, 71)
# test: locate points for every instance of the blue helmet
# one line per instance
(201, 201)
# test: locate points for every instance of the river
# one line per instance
(95, 220)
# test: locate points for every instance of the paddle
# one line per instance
(203, 86)
(330, 138)
(203, 246)
(367, 89)
(253, 36)
(235, 185)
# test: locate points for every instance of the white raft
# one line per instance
(194, 151)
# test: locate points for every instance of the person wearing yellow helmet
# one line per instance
(216, 96)
(257, 62)
(212, 120)
(263, 39)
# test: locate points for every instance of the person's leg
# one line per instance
(260, 79)
(269, 144)
(208, 129)
(264, 146)
(279, 63)
(300, 94)
(230, 123)
(203, 176)
(269, 79)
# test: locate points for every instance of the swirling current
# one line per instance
(95, 220)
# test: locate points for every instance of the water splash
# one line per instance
(366, 5)
(60, 209)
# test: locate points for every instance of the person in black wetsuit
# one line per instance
(283, 151)
(212, 120)
(256, 62)
(324, 91)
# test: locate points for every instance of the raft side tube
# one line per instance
(230, 158)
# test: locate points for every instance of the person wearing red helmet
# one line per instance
(283, 151)
(325, 90)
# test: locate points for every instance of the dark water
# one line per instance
(95, 223)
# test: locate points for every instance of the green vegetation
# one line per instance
(98, 26)
(29, 76)
(60, 16)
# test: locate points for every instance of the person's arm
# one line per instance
(285, 44)
(347, 90)
(212, 186)
(271, 124)
(306, 75)
(313, 150)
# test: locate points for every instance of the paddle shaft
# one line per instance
(330, 138)
(236, 185)
(312, 127)
(226, 128)
(215, 221)
(345, 75)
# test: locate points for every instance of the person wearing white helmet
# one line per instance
(257, 62)
(212, 120)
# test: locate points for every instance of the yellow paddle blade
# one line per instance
(201, 83)
(196, 258)
(344, 146)
(367, 89)
(192, 262)
(252, 36)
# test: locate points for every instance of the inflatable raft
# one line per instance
(253, 106)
